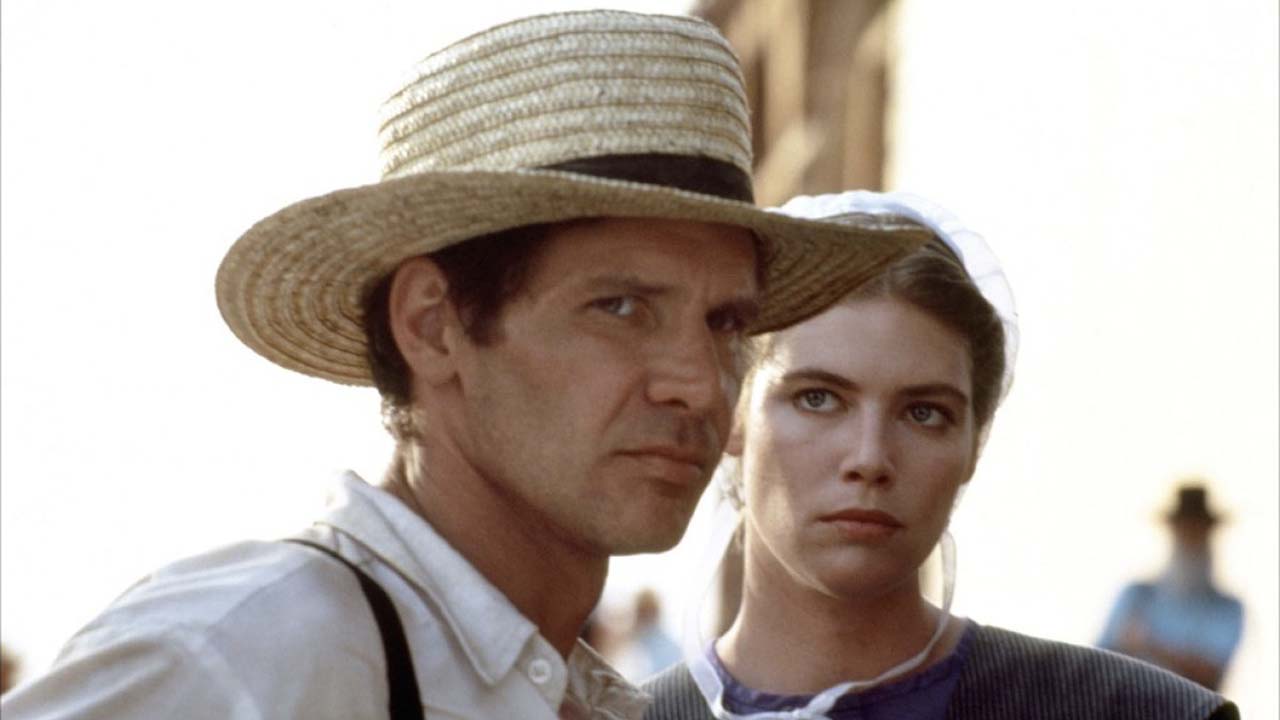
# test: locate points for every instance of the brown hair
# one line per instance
(933, 280)
(483, 274)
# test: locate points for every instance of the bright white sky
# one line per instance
(1121, 160)
(140, 138)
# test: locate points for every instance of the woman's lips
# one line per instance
(863, 525)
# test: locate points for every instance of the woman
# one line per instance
(856, 432)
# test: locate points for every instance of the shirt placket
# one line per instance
(543, 667)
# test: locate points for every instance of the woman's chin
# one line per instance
(861, 582)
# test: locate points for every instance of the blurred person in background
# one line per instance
(856, 432)
(596, 633)
(550, 287)
(1179, 620)
(9, 667)
(646, 648)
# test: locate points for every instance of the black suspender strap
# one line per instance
(405, 703)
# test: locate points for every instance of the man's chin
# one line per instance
(649, 521)
(644, 548)
(654, 537)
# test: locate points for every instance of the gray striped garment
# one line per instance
(1009, 676)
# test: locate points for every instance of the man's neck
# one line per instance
(1189, 572)
(552, 582)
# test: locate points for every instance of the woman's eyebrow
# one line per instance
(933, 389)
(827, 377)
(818, 375)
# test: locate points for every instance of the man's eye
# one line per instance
(621, 305)
(816, 400)
(726, 322)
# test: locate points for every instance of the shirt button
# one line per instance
(539, 671)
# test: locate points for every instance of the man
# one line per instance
(1180, 621)
(9, 667)
(548, 287)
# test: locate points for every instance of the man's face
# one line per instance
(600, 408)
(1191, 534)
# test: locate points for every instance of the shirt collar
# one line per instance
(605, 693)
(491, 631)
(489, 628)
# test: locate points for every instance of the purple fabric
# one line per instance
(922, 696)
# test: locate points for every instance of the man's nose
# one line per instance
(870, 454)
(692, 373)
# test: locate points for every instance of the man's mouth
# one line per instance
(672, 463)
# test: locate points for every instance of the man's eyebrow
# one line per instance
(626, 284)
(746, 307)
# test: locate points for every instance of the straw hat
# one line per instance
(500, 130)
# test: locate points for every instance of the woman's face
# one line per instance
(857, 435)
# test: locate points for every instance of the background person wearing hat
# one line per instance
(549, 288)
(1180, 621)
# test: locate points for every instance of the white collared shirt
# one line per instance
(277, 630)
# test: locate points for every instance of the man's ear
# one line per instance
(423, 320)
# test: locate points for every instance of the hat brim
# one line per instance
(1211, 518)
(291, 288)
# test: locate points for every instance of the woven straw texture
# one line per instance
(461, 142)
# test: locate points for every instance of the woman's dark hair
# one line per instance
(933, 280)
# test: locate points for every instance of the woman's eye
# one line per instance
(927, 415)
(816, 400)
(621, 305)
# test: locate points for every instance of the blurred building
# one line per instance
(817, 77)
(816, 74)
